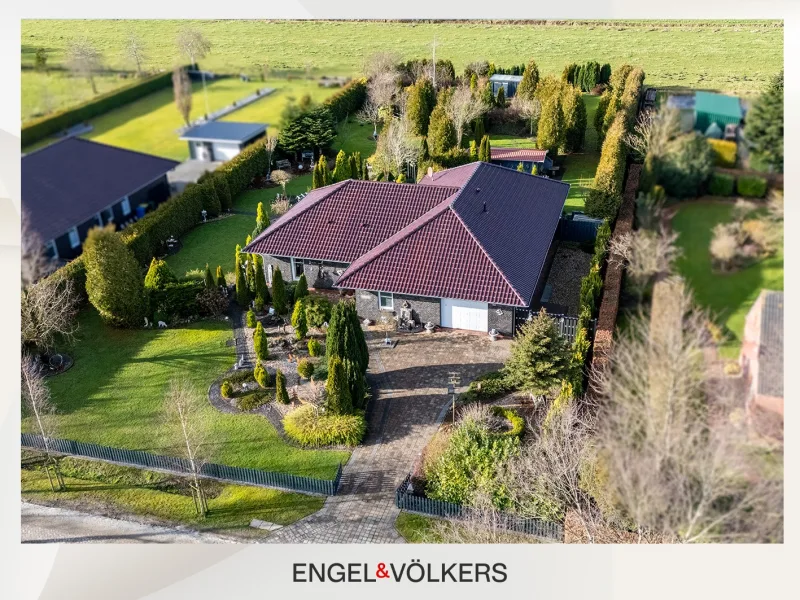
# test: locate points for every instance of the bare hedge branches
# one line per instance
(645, 254)
(652, 133)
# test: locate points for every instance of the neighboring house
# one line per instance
(509, 84)
(221, 140)
(705, 110)
(76, 184)
(762, 354)
(465, 248)
(511, 157)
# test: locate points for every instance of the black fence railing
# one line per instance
(580, 229)
(182, 466)
(447, 510)
(567, 326)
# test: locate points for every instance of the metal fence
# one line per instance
(181, 466)
(447, 510)
(567, 326)
(578, 230)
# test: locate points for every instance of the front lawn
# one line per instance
(728, 296)
(113, 395)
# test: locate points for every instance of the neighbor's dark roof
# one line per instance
(521, 154)
(503, 77)
(770, 355)
(340, 222)
(66, 183)
(488, 243)
(224, 131)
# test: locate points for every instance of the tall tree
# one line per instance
(113, 278)
(338, 400)
(420, 100)
(36, 399)
(182, 90)
(764, 129)
(463, 108)
(396, 147)
(575, 119)
(221, 278)
(299, 322)
(301, 288)
(135, 51)
(194, 45)
(540, 357)
(441, 132)
(84, 60)
(278, 293)
(500, 99)
(262, 291)
(209, 280)
(341, 169)
(242, 293)
(550, 133)
(485, 150)
(530, 81)
(270, 143)
(321, 176)
(262, 220)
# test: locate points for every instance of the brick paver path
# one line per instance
(410, 385)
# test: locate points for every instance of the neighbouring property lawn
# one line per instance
(114, 395)
(230, 507)
(728, 296)
(213, 243)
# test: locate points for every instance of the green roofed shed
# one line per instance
(716, 108)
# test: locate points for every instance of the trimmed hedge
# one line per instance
(38, 129)
(308, 427)
(348, 100)
(724, 152)
(721, 184)
(751, 186)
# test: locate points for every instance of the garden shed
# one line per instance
(716, 108)
(221, 140)
(512, 157)
(509, 84)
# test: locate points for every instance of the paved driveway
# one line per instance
(410, 385)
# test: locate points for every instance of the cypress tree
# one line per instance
(500, 100)
(209, 279)
(341, 170)
(301, 288)
(299, 322)
(764, 128)
(424, 152)
(421, 99)
(278, 293)
(605, 73)
(262, 220)
(322, 176)
(338, 400)
(574, 110)
(345, 338)
(261, 342)
(530, 81)
(356, 383)
(353, 163)
(281, 395)
(242, 293)
(221, 278)
(113, 279)
(473, 151)
(441, 132)
(485, 150)
(262, 291)
(223, 191)
(473, 82)
(551, 125)
(479, 130)
(158, 275)
(251, 275)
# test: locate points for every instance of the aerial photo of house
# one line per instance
(282, 285)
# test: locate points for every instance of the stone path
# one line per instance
(409, 383)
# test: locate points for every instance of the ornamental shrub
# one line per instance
(278, 292)
(724, 152)
(421, 98)
(281, 395)
(345, 338)
(262, 290)
(441, 132)
(300, 288)
(211, 302)
(314, 348)
(299, 319)
(721, 184)
(751, 186)
(251, 318)
(226, 389)
(208, 278)
(220, 277)
(305, 368)
(338, 400)
(261, 342)
(601, 204)
(177, 299)
(764, 129)
(252, 400)
(686, 166)
(261, 375)
(513, 417)
(318, 310)
(487, 387)
(242, 293)
(306, 426)
(158, 275)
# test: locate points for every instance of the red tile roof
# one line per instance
(520, 154)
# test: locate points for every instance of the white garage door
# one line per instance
(465, 314)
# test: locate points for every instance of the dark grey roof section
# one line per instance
(224, 131)
(770, 359)
(67, 183)
(514, 217)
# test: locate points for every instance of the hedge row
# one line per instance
(348, 100)
(40, 128)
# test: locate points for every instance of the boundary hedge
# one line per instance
(38, 129)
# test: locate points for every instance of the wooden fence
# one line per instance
(181, 466)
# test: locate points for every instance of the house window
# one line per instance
(108, 216)
(385, 301)
(74, 238)
(125, 205)
(51, 250)
(297, 268)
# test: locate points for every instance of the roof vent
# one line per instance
(365, 224)
(330, 221)
(477, 190)
(484, 207)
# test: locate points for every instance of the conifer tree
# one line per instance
(299, 322)
(485, 150)
(520, 167)
(441, 131)
(421, 99)
(158, 275)
(574, 110)
(356, 383)
(540, 357)
(242, 293)
(251, 275)
(500, 100)
(261, 342)
(764, 128)
(530, 81)
(479, 130)
(262, 220)
(209, 279)
(550, 133)
(278, 293)
(281, 395)
(262, 291)
(338, 401)
(345, 338)
(355, 165)
(221, 278)
(321, 176)
(341, 170)
(473, 82)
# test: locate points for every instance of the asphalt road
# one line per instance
(44, 524)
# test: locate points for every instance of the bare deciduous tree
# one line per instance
(194, 45)
(36, 397)
(645, 254)
(270, 142)
(652, 132)
(463, 108)
(281, 177)
(380, 94)
(135, 50)
(380, 63)
(182, 89)
(84, 60)
(397, 146)
(724, 246)
(35, 264)
(530, 108)
(183, 411)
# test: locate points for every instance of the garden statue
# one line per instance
(162, 325)
(204, 213)
(146, 323)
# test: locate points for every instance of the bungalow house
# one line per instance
(511, 157)
(509, 84)
(76, 184)
(221, 140)
(465, 248)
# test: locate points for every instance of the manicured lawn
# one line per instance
(727, 296)
(230, 511)
(113, 395)
(355, 137)
(43, 93)
(213, 243)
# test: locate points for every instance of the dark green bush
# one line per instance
(242, 376)
(177, 299)
(306, 426)
(253, 400)
(487, 387)
(687, 166)
(226, 389)
(318, 311)
(751, 186)
(513, 417)
(721, 184)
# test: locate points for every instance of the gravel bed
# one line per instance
(570, 265)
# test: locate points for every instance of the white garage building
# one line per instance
(219, 141)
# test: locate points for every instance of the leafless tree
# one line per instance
(270, 142)
(530, 108)
(673, 441)
(653, 131)
(381, 91)
(313, 393)
(645, 254)
(380, 63)
(194, 45)
(397, 146)
(463, 108)
(84, 60)
(182, 89)
(279, 206)
(34, 262)
(183, 411)
(48, 311)
(281, 177)
(36, 397)
(135, 50)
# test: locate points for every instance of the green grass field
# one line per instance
(727, 296)
(113, 395)
(734, 56)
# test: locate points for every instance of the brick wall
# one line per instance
(423, 308)
(319, 274)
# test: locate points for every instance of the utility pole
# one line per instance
(434, 62)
